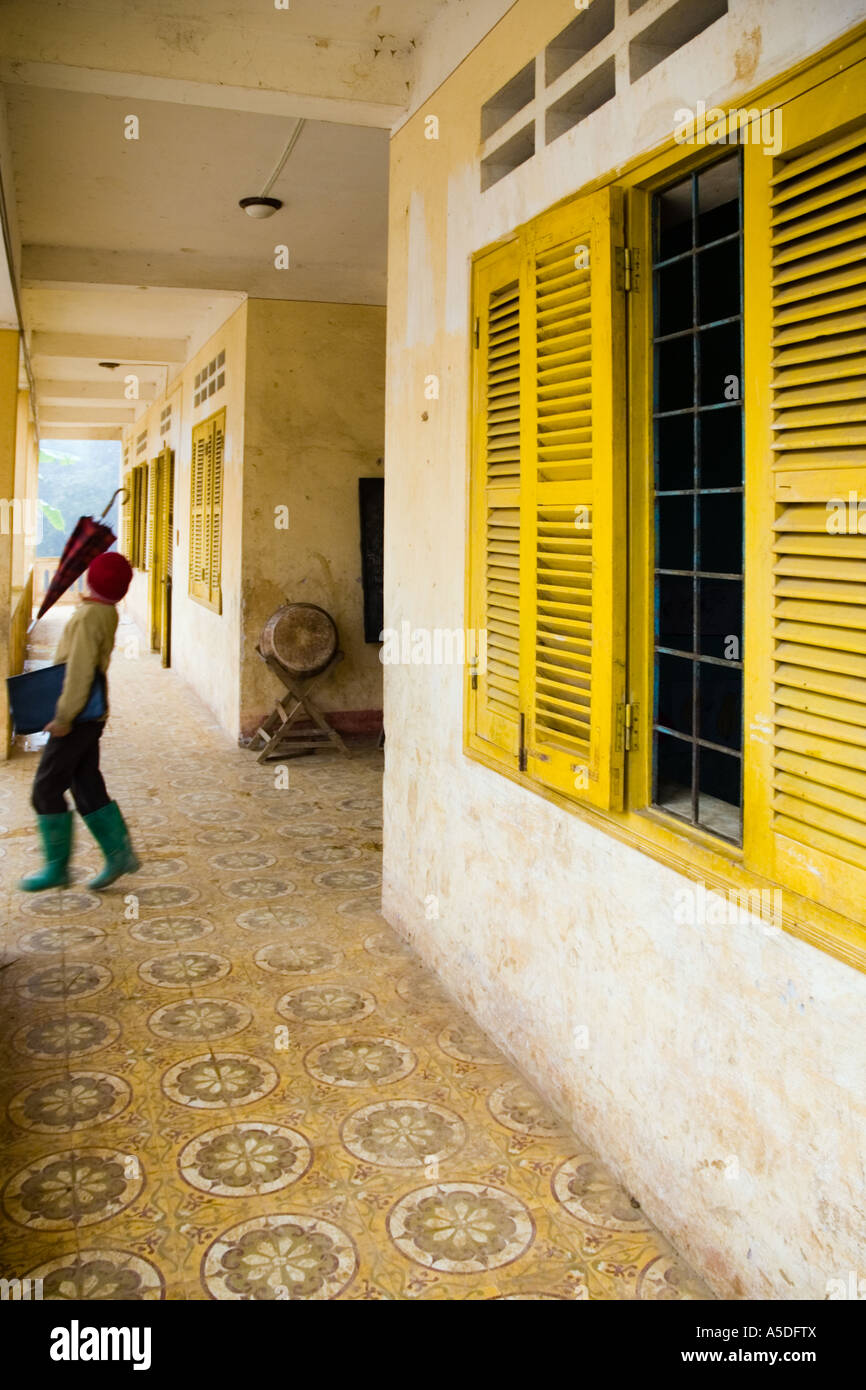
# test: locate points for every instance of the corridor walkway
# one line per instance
(227, 1077)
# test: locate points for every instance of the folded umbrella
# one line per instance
(89, 539)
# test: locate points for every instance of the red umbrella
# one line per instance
(89, 539)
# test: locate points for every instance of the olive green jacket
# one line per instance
(86, 646)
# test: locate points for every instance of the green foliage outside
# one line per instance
(76, 478)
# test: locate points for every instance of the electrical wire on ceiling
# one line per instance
(292, 141)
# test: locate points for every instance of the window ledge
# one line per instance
(715, 864)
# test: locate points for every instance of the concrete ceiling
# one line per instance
(136, 250)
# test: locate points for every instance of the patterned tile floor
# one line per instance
(227, 1077)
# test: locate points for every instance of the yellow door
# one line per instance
(160, 588)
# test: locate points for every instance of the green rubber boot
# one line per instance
(109, 830)
(55, 833)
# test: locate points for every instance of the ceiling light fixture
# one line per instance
(262, 205)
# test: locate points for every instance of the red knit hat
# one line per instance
(109, 576)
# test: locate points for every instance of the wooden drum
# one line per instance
(300, 636)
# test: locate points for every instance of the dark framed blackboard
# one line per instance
(371, 501)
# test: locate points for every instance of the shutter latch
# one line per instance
(521, 756)
(627, 727)
(627, 268)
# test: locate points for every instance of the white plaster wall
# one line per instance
(706, 1043)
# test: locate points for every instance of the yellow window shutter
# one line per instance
(818, 230)
(126, 514)
(167, 508)
(805, 620)
(151, 473)
(200, 448)
(573, 508)
(142, 516)
(216, 506)
(495, 504)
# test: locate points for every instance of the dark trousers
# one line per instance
(71, 764)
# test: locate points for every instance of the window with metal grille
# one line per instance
(698, 429)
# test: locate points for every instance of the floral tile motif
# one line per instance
(516, 1106)
(65, 980)
(236, 859)
(166, 895)
(171, 931)
(71, 1101)
(78, 1187)
(280, 1257)
(58, 940)
(259, 889)
(349, 879)
(200, 1020)
(326, 1004)
(72, 1034)
(99, 1274)
(297, 958)
(307, 830)
(463, 1228)
(403, 1134)
(467, 1043)
(355, 1061)
(61, 904)
(250, 1158)
(216, 1080)
(261, 919)
(229, 1078)
(184, 969)
(586, 1191)
(227, 835)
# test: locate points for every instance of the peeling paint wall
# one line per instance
(314, 425)
(705, 1044)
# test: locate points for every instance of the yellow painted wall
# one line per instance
(704, 1042)
(8, 426)
(26, 488)
(205, 644)
(314, 424)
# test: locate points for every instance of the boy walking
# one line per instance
(70, 759)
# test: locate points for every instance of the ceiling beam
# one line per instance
(81, 432)
(71, 392)
(46, 267)
(104, 347)
(382, 115)
(84, 415)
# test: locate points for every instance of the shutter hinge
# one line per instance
(627, 727)
(521, 756)
(477, 332)
(473, 680)
(627, 268)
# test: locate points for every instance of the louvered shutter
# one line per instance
(126, 515)
(573, 642)
(216, 511)
(167, 510)
(818, 221)
(151, 473)
(142, 515)
(200, 449)
(495, 520)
